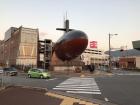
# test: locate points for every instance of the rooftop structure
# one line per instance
(136, 44)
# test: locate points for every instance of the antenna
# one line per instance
(66, 25)
(66, 15)
(64, 18)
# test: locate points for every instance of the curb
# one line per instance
(27, 87)
(2, 88)
(30, 87)
(69, 100)
(95, 101)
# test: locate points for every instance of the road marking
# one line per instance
(77, 82)
(75, 89)
(84, 92)
(51, 79)
(106, 99)
(68, 85)
(79, 85)
(86, 87)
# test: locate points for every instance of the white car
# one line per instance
(1, 70)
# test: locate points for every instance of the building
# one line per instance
(19, 47)
(22, 47)
(95, 57)
(136, 44)
(44, 53)
(129, 62)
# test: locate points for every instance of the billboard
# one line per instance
(136, 44)
(93, 44)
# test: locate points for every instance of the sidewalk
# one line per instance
(24, 96)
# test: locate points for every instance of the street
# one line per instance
(121, 88)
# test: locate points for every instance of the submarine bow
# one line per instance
(71, 45)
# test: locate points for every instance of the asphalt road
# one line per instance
(32, 82)
(121, 88)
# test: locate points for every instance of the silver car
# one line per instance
(10, 71)
(1, 70)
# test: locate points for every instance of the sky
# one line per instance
(97, 18)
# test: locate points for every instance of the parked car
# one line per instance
(115, 68)
(38, 73)
(1, 70)
(10, 71)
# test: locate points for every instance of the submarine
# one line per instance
(71, 44)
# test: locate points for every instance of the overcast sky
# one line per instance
(97, 18)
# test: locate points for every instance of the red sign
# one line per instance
(93, 44)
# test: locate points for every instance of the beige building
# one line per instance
(19, 47)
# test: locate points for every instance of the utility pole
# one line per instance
(109, 55)
(110, 52)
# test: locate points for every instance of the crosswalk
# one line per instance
(79, 85)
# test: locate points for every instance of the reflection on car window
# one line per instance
(41, 70)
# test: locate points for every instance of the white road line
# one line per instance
(83, 92)
(75, 89)
(51, 79)
(79, 85)
(80, 81)
(93, 87)
(106, 99)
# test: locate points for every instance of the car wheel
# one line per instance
(41, 76)
(7, 74)
(29, 75)
(48, 77)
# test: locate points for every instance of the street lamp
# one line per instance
(110, 52)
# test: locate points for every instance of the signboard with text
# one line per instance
(93, 44)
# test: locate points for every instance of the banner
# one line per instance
(93, 44)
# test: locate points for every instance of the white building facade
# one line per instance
(95, 57)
